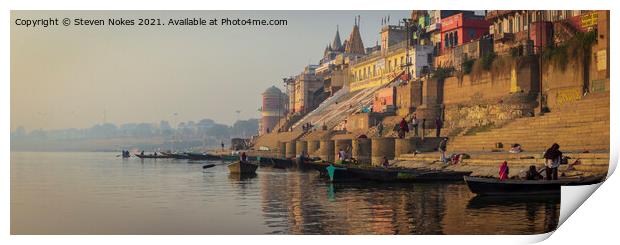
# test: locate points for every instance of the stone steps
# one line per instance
(522, 155)
(485, 163)
(578, 126)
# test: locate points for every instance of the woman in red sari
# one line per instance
(503, 171)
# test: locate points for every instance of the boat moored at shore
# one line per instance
(494, 186)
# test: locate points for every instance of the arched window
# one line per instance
(451, 40)
(446, 40)
(456, 38)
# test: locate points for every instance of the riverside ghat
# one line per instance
(504, 101)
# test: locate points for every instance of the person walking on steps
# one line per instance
(403, 128)
(414, 125)
(553, 158)
(443, 146)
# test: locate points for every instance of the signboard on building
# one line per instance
(589, 20)
(585, 22)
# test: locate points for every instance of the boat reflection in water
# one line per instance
(94, 193)
(237, 177)
(414, 208)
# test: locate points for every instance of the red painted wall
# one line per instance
(467, 28)
(384, 97)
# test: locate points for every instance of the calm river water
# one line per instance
(99, 193)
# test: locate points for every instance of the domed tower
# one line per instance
(272, 110)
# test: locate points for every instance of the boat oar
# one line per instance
(208, 166)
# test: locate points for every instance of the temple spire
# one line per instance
(354, 43)
(337, 44)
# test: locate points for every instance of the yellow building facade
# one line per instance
(377, 69)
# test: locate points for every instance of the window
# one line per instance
(500, 27)
(456, 38)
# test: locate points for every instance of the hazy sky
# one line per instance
(65, 77)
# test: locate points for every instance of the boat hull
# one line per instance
(242, 168)
(152, 156)
(492, 186)
(194, 156)
(282, 163)
(407, 175)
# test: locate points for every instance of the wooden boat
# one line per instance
(333, 172)
(201, 156)
(494, 186)
(242, 168)
(264, 161)
(176, 155)
(407, 175)
(281, 163)
(151, 156)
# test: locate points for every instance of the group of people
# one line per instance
(306, 127)
(403, 127)
(125, 154)
(553, 160)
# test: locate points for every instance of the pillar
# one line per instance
(281, 149)
(326, 150)
(313, 148)
(301, 147)
(381, 147)
(404, 146)
(361, 150)
(290, 149)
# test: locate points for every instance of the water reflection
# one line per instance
(96, 194)
(374, 208)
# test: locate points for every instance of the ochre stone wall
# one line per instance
(487, 113)
(408, 97)
(466, 89)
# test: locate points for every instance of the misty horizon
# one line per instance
(80, 76)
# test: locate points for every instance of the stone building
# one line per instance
(272, 110)
(306, 86)
(515, 28)
(391, 61)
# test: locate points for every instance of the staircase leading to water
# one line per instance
(578, 126)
